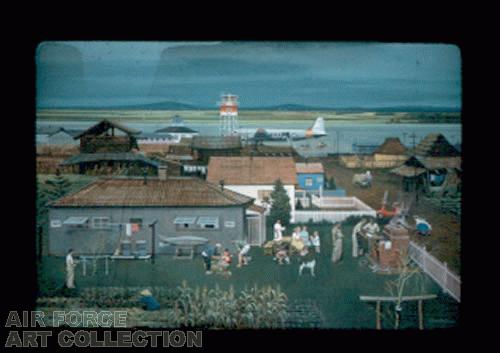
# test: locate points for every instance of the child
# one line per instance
(315, 241)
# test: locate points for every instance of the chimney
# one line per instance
(162, 172)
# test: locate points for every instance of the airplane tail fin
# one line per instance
(319, 126)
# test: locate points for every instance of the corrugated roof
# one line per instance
(251, 170)
(308, 168)
(436, 145)
(106, 124)
(408, 171)
(441, 162)
(216, 142)
(392, 146)
(132, 192)
(268, 151)
(108, 156)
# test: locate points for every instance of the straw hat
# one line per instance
(146, 293)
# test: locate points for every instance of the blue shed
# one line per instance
(310, 176)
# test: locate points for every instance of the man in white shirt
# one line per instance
(70, 269)
(371, 229)
(278, 231)
(355, 246)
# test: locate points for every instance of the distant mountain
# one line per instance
(170, 105)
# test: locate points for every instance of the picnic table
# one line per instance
(185, 244)
(269, 246)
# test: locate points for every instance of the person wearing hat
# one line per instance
(70, 269)
(148, 301)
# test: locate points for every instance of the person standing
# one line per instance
(70, 269)
(355, 234)
(278, 237)
(304, 235)
(278, 231)
(315, 241)
(337, 241)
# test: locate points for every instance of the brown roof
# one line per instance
(441, 162)
(392, 146)
(309, 168)
(104, 125)
(436, 145)
(216, 142)
(257, 208)
(268, 151)
(408, 171)
(128, 192)
(251, 170)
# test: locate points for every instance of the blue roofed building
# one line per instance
(310, 176)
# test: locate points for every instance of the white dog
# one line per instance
(309, 264)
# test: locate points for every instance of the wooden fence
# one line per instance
(438, 271)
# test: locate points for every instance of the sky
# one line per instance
(316, 74)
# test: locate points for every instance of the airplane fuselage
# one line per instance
(278, 134)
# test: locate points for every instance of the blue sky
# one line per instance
(318, 74)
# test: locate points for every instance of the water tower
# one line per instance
(228, 111)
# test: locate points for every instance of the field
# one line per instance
(244, 116)
(334, 291)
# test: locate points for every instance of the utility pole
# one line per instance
(153, 240)
(413, 137)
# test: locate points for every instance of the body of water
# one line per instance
(340, 138)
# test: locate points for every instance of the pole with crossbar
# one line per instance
(153, 240)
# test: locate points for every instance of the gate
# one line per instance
(255, 232)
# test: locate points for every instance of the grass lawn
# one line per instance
(336, 287)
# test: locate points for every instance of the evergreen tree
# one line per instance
(57, 187)
(41, 202)
(280, 208)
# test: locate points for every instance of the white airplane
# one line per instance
(261, 134)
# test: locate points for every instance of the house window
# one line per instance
(208, 222)
(137, 221)
(100, 222)
(76, 222)
(309, 182)
(184, 223)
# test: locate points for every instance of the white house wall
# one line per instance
(253, 191)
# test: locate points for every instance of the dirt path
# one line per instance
(445, 240)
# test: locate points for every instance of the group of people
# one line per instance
(301, 241)
(361, 232)
(213, 252)
(224, 258)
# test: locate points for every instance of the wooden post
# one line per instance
(378, 315)
(420, 315)
(153, 240)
